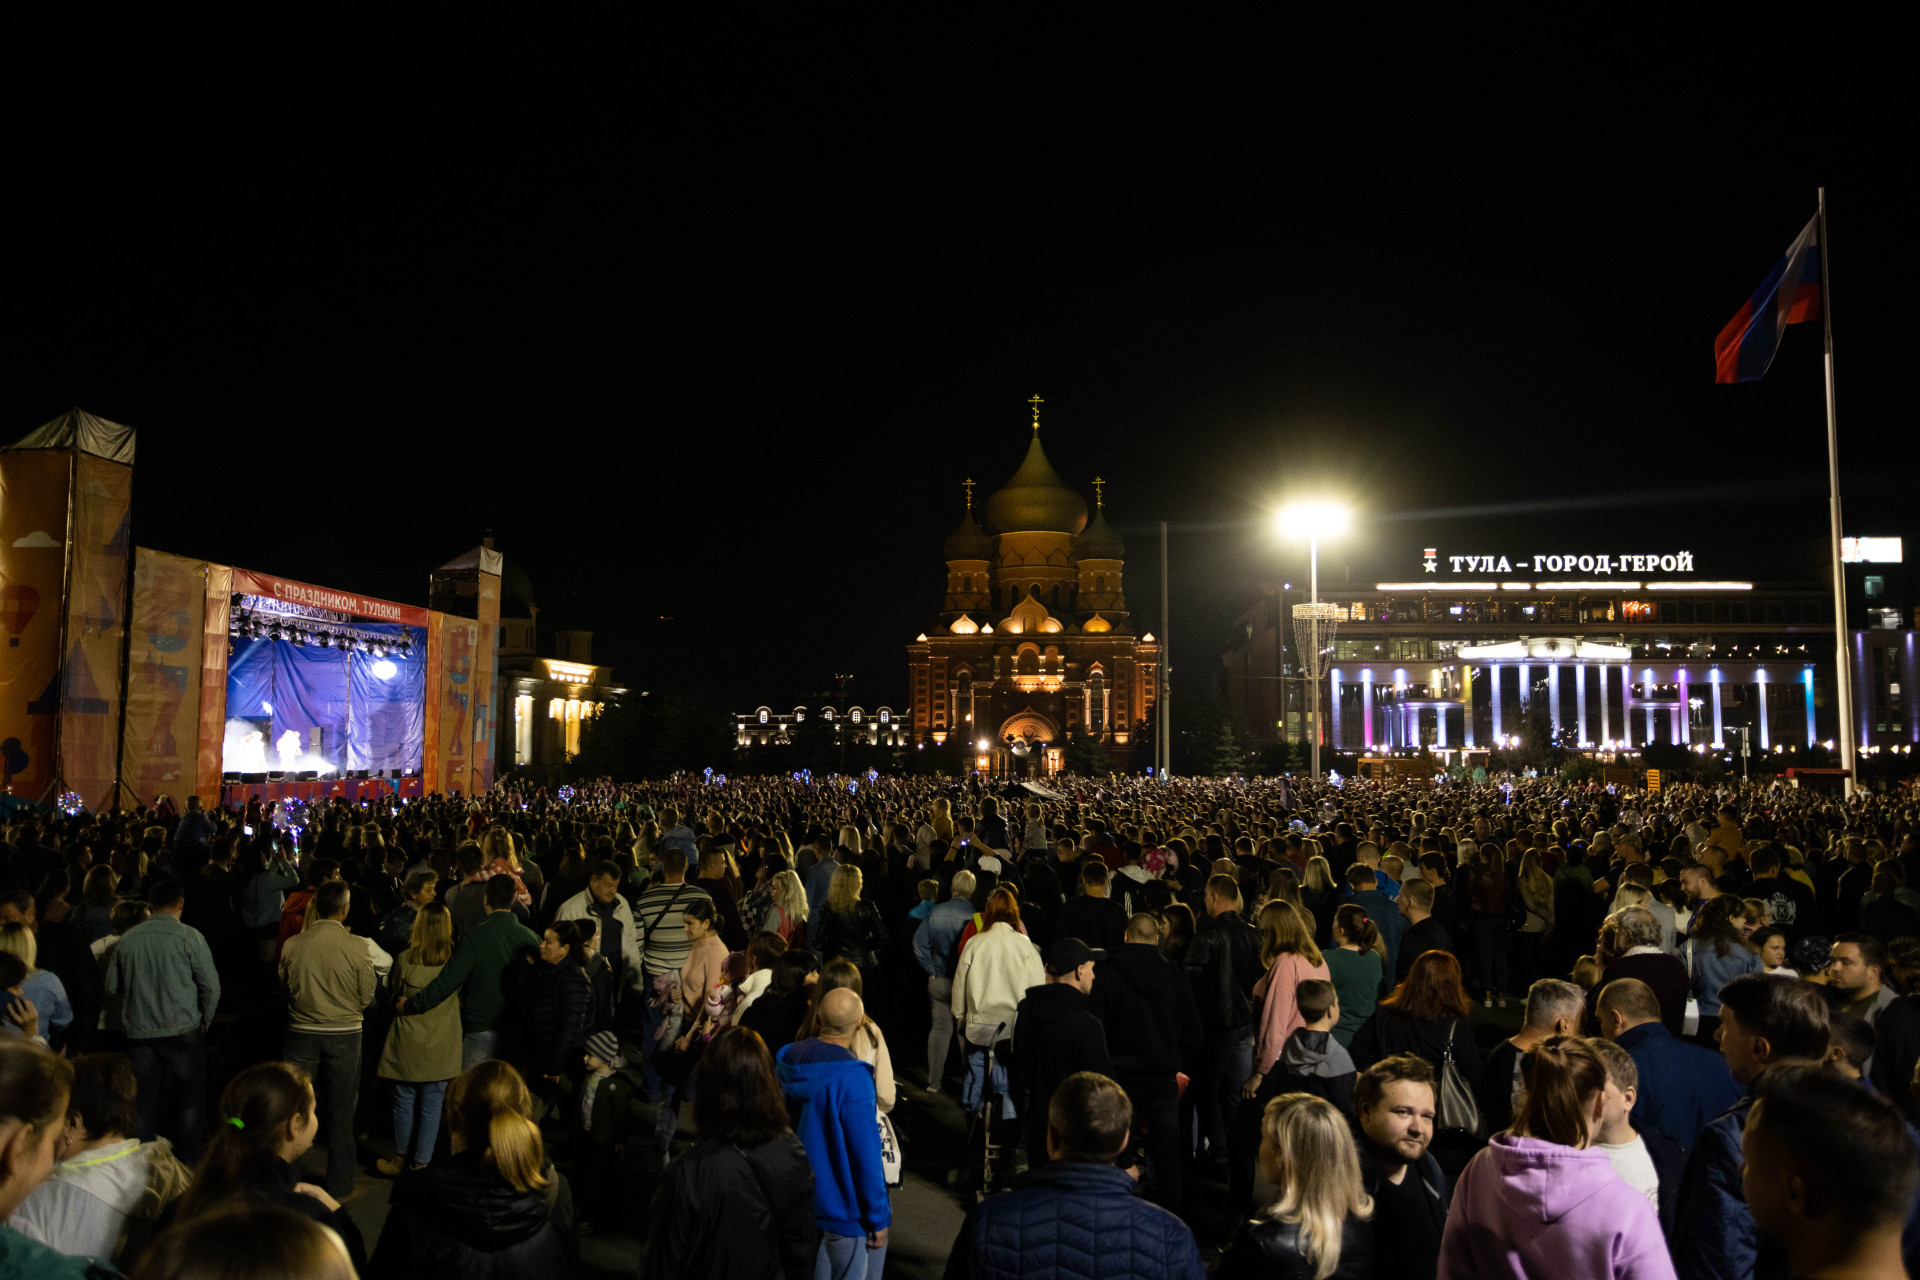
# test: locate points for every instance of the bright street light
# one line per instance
(1313, 521)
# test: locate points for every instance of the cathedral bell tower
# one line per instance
(969, 569)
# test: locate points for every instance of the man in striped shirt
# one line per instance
(663, 946)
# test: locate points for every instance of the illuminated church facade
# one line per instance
(1033, 634)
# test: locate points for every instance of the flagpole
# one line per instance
(1843, 676)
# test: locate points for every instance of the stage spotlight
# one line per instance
(406, 648)
(379, 651)
(275, 632)
(300, 639)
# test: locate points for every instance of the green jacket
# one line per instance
(427, 1047)
(478, 971)
(24, 1259)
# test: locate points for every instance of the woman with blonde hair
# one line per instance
(787, 913)
(1288, 952)
(850, 926)
(422, 1053)
(496, 1207)
(1319, 894)
(1535, 889)
(42, 986)
(1319, 1225)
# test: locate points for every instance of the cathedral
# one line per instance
(1034, 634)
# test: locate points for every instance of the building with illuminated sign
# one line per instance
(1033, 634)
(545, 704)
(1625, 649)
(875, 726)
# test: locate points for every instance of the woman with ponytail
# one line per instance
(1541, 1199)
(1319, 1226)
(1357, 963)
(267, 1121)
(495, 1208)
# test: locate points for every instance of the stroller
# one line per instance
(993, 1136)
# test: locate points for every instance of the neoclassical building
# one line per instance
(1034, 633)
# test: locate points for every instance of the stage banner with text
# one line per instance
(160, 753)
(90, 684)
(213, 684)
(33, 537)
(451, 704)
(486, 700)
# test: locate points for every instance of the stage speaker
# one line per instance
(253, 778)
(358, 773)
(229, 777)
(273, 776)
(306, 775)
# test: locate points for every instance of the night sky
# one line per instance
(709, 336)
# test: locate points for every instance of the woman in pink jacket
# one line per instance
(1287, 950)
(1541, 1200)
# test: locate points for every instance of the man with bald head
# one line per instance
(835, 1112)
(1682, 1086)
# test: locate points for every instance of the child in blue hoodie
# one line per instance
(836, 1115)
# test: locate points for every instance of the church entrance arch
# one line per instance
(1035, 731)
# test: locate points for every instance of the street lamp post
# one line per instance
(1313, 520)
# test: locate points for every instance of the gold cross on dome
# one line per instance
(1036, 402)
(1099, 497)
(968, 485)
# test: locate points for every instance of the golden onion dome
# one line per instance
(1036, 498)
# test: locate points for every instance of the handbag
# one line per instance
(1690, 1021)
(1457, 1107)
(890, 1163)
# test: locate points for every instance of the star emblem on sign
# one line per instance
(1433, 558)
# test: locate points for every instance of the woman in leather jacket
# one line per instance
(1320, 1225)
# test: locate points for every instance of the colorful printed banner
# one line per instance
(160, 752)
(213, 684)
(90, 684)
(33, 538)
(247, 582)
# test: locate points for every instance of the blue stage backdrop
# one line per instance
(345, 711)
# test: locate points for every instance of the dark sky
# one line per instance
(708, 329)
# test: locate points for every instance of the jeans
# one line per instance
(650, 1020)
(427, 1096)
(1490, 941)
(974, 1088)
(1214, 1092)
(333, 1060)
(940, 1035)
(476, 1047)
(1156, 1109)
(172, 1070)
(848, 1258)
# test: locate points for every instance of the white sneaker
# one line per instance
(1489, 999)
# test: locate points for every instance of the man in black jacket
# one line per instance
(1055, 1034)
(1093, 917)
(1223, 963)
(1394, 1103)
(1146, 1005)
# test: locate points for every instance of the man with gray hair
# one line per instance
(935, 944)
(1554, 1008)
(1630, 945)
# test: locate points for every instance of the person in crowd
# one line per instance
(601, 1126)
(1850, 1045)
(248, 1240)
(1770, 944)
(1223, 965)
(602, 905)
(496, 1207)
(163, 979)
(1289, 957)
(558, 1002)
(1076, 1217)
(487, 969)
(740, 1203)
(1093, 916)
(870, 1043)
(396, 926)
(34, 1089)
(43, 987)
(1312, 1063)
(936, 946)
(763, 952)
(1488, 891)
(996, 969)
(850, 927)
(1056, 1035)
(329, 981)
(421, 1055)
(1829, 1171)
(830, 1094)
(1682, 1086)
(1648, 1161)
(1320, 1224)
(1554, 1008)
(92, 918)
(1630, 948)
(663, 946)
(777, 1016)
(1533, 902)
(1364, 892)
(267, 1121)
(261, 898)
(1716, 952)
(1856, 974)
(1541, 1199)
(1764, 1022)
(1424, 932)
(1394, 1104)
(786, 913)
(713, 878)
(1356, 964)
(818, 877)
(1153, 1031)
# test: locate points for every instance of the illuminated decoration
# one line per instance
(1601, 564)
(921, 638)
(1516, 586)
(764, 713)
(1428, 586)
(1871, 551)
(565, 794)
(1587, 586)
(570, 672)
(987, 630)
(71, 804)
(962, 626)
(1097, 625)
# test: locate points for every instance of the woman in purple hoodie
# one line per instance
(1541, 1200)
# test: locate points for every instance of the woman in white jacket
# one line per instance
(997, 965)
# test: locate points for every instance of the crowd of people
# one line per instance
(1246, 1028)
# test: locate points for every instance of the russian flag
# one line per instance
(1789, 294)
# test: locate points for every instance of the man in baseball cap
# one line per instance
(1062, 1038)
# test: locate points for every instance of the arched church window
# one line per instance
(1027, 661)
(885, 715)
(763, 715)
(826, 713)
(1097, 704)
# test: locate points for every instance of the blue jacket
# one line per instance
(933, 940)
(1712, 971)
(1069, 1221)
(837, 1118)
(1682, 1086)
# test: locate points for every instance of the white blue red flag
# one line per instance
(1789, 294)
